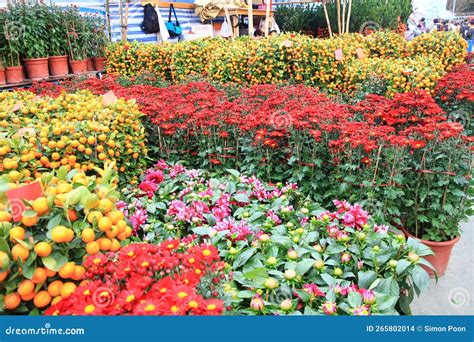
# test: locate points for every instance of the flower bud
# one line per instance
(296, 239)
(393, 263)
(292, 254)
(233, 251)
(337, 272)
(304, 211)
(345, 258)
(264, 238)
(300, 230)
(257, 303)
(413, 257)
(376, 249)
(361, 236)
(318, 264)
(286, 305)
(245, 214)
(290, 274)
(271, 283)
(169, 226)
(271, 261)
(289, 225)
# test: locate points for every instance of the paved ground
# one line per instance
(454, 292)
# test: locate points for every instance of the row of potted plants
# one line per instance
(48, 40)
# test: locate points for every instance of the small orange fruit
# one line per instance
(104, 224)
(59, 234)
(94, 217)
(92, 247)
(5, 216)
(72, 215)
(17, 233)
(67, 270)
(115, 245)
(106, 205)
(40, 205)
(56, 300)
(68, 289)
(54, 289)
(26, 287)
(70, 235)
(28, 297)
(50, 273)
(42, 299)
(88, 235)
(11, 301)
(20, 252)
(43, 249)
(39, 276)
(29, 220)
(104, 243)
(79, 272)
(3, 276)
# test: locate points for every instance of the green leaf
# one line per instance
(402, 265)
(366, 278)
(328, 279)
(354, 298)
(234, 173)
(304, 296)
(4, 246)
(244, 257)
(304, 265)
(54, 261)
(242, 198)
(257, 274)
(420, 278)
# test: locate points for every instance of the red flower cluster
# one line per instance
(275, 117)
(145, 279)
(457, 85)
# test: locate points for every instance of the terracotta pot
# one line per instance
(78, 67)
(14, 74)
(37, 68)
(90, 64)
(58, 66)
(99, 63)
(2, 76)
(441, 250)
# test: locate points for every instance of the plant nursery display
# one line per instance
(44, 236)
(78, 131)
(416, 64)
(282, 175)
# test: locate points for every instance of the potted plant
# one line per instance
(76, 40)
(32, 20)
(58, 65)
(2, 71)
(437, 196)
(3, 48)
(99, 41)
(10, 49)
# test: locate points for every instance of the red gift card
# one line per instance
(338, 55)
(16, 196)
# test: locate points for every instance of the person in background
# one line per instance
(464, 28)
(436, 25)
(422, 25)
(470, 31)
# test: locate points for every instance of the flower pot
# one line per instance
(99, 63)
(37, 68)
(58, 66)
(90, 64)
(14, 74)
(78, 67)
(2, 76)
(441, 250)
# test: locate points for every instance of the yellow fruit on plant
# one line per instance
(5, 216)
(29, 220)
(104, 243)
(106, 205)
(54, 289)
(43, 249)
(67, 270)
(11, 301)
(39, 276)
(42, 299)
(88, 235)
(17, 233)
(40, 205)
(26, 287)
(59, 234)
(14, 176)
(20, 252)
(104, 224)
(4, 260)
(92, 247)
(56, 300)
(79, 272)
(94, 217)
(68, 289)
